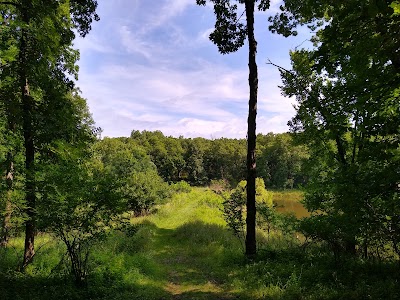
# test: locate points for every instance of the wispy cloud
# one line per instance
(93, 44)
(134, 43)
(169, 10)
(204, 36)
(207, 102)
(274, 6)
(157, 70)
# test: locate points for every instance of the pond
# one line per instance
(289, 202)
(288, 206)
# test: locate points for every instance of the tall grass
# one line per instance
(185, 251)
(287, 195)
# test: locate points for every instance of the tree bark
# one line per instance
(27, 127)
(5, 234)
(251, 248)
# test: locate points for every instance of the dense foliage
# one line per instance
(200, 161)
(348, 94)
(235, 205)
(133, 199)
(58, 178)
(36, 80)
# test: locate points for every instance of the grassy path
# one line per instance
(193, 249)
(184, 251)
(188, 276)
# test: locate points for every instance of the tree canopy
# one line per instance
(347, 90)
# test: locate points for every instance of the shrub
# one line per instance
(234, 205)
(181, 187)
(219, 185)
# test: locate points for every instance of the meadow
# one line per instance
(183, 250)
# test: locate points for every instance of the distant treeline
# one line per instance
(280, 162)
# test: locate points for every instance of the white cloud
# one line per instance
(204, 36)
(158, 15)
(194, 127)
(207, 102)
(134, 43)
(93, 44)
(272, 124)
(274, 6)
(138, 77)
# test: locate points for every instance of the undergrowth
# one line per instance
(185, 251)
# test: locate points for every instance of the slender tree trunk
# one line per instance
(5, 237)
(251, 248)
(5, 234)
(27, 113)
(29, 250)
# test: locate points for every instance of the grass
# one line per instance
(185, 251)
(287, 195)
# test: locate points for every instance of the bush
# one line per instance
(219, 185)
(234, 205)
(181, 187)
(144, 190)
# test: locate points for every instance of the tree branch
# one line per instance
(10, 3)
(237, 21)
(279, 67)
(341, 158)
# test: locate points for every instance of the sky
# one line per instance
(149, 65)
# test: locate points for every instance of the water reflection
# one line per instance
(291, 206)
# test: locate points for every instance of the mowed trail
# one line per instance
(195, 250)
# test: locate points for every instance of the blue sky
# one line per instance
(149, 65)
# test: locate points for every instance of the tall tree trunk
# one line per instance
(251, 248)
(5, 234)
(30, 185)
(27, 126)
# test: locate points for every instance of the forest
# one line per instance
(313, 213)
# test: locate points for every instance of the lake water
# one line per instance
(291, 206)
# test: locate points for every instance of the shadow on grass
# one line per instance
(25, 287)
(190, 262)
(298, 273)
(202, 261)
(199, 260)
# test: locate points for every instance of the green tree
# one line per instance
(166, 153)
(135, 175)
(43, 33)
(9, 111)
(175, 163)
(235, 205)
(86, 185)
(229, 35)
(80, 203)
(194, 161)
(348, 90)
(281, 162)
(226, 159)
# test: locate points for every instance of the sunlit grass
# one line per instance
(185, 251)
(288, 195)
(200, 204)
